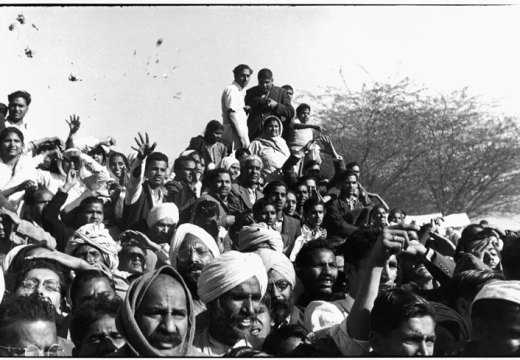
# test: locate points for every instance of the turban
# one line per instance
(274, 260)
(11, 255)
(229, 161)
(163, 211)
(97, 236)
(180, 235)
(508, 290)
(125, 318)
(249, 237)
(227, 271)
(322, 315)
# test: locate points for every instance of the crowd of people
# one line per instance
(241, 246)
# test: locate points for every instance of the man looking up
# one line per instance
(234, 114)
(232, 286)
(266, 99)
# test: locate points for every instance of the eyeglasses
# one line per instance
(33, 351)
(281, 285)
(49, 285)
(184, 255)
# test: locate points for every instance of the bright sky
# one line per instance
(174, 89)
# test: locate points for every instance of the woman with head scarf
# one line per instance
(209, 144)
(231, 164)
(271, 148)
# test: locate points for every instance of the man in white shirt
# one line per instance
(19, 102)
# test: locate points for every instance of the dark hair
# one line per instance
(472, 232)
(84, 277)
(25, 308)
(114, 154)
(304, 256)
(88, 201)
(273, 185)
(395, 306)
(373, 210)
(213, 125)
(397, 211)
(156, 156)
(244, 351)
(90, 311)
(511, 260)
(42, 264)
(304, 178)
(30, 195)
(276, 337)
(358, 246)
(351, 164)
(311, 163)
(345, 174)
(179, 161)
(206, 209)
(22, 94)
(287, 87)
(98, 150)
(11, 130)
(240, 152)
(301, 108)
(310, 203)
(212, 175)
(261, 204)
(265, 74)
(298, 184)
(467, 284)
(238, 69)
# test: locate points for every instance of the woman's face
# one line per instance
(117, 165)
(11, 146)
(235, 171)
(273, 128)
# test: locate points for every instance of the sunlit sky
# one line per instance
(172, 90)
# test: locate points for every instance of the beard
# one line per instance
(159, 336)
(190, 278)
(281, 309)
(229, 324)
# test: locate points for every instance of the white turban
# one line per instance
(249, 237)
(163, 211)
(274, 260)
(227, 271)
(97, 236)
(228, 161)
(180, 235)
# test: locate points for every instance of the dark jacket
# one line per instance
(52, 223)
(199, 144)
(291, 229)
(259, 111)
(134, 215)
(340, 221)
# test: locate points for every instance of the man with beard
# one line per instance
(93, 329)
(232, 286)
(219, 186)
(192, 248)
(162, 221)
(156, 318)
(281, 282)
(289, 227)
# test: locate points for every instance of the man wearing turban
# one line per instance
(156, 318)
(258, 236)
(232, 286)
(162, 221)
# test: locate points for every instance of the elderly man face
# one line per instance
(22, 334)
(162, 316)
(193, 255)
(90, 254)
(162, 231)
(282, 298)
(265, 84)
(44, 282)
(252, 171)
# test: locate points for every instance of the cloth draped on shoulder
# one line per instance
(276, 142)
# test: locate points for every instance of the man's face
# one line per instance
(320, 273)
(239, 306)
(101, 338)
(117, 165)
(379, 217)
(156, 173)
(267, 215)
(396, 217)
(304, 116)
(500, 334)
(24, 333)
(278, 196)
(96, 287)
(282, 298)
(17, 109)
(222, 185)
(41, 199)
(161, 232)
(252, 171)
(302, 194)
(350, 186)
(356, 170)
(132, 260)
(215, 136)
(92, 214)
(193, 255)
(44, 282)
(314, 171)
(162, 316)
(265, 84)
(291, 204)
(201, 165)
(242, 77)
(315, 215)
(415, 337)
(90, 254)
(311, 184)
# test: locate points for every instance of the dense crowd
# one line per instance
(241, 246)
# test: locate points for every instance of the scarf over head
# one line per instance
(163, 211)
(95, 235)
(227, 271)
(249, 237)
(276, 142)
(180, 235)
(229, 161)
(125, 318)
(274, 260)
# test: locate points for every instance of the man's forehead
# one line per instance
(18, 100)
(250, 286)
(192, 240)
(274, 275)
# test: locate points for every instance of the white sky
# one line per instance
(444, 48)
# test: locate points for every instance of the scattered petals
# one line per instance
(159, 42)
(73, 77)
(21, 19)
(28, 52)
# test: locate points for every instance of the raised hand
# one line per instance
(143, 146)
(27, 185)
(142, 240)
(71, 179)
(74, 124)
(328, 147)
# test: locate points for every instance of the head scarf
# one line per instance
(274, 260)
(125, 318)
(227, 271)
(229, 161)
(163, 211)
(276, 142)
(507, 290)
(97, 236)
(10, 257)
(180, 235)
(249, 237)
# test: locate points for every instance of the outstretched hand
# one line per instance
(328, 147)
(143, 146)
(74, 124)
(142, 240)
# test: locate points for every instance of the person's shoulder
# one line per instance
(291, 220)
